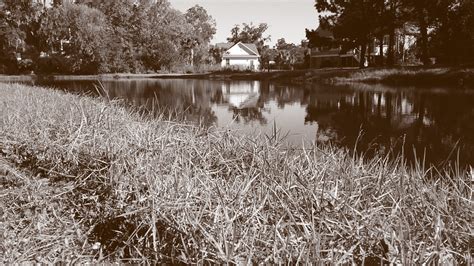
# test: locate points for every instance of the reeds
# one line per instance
(86, 180)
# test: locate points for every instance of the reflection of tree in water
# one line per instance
(177, 99)
(283, 94)
(391, 122)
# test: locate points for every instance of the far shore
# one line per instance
(397, 76)
(113, 76)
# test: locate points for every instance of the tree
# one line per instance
(249, 33)
(267, 54)
(216, 54)
(102, 35)
(353, 22)
(19, 22)
(421, 15)
(167, 30)
(203, 25)
(287, 53)
(124, 20)
(79, 35)
(452, 40)
(391, 17)
(9, 41)
(203, 28)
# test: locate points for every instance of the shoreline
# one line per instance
(395, 77)
(107, 185)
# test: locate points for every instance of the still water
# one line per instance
(436, 125)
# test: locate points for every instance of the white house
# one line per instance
(241, 55)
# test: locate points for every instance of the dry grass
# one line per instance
(85, 180)
(448, 77)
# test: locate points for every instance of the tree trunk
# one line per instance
(363, 50)
(192, 56)
(390, 52)
(381, 49)
(370, 50)
(424, 41)
(403, 48)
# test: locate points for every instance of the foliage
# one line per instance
(356, 23)
(453, 39)
(77, 32)
(200, 31)
(289, 55)
(103, 36)
(249, 33)
(216, 54)
(18, 25)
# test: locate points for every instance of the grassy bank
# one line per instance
(86, 180)
(420, 77)
(407, 76)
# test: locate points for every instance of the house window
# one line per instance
(227, 62)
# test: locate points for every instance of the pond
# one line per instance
(435, 125)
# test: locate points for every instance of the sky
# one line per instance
(285, 18)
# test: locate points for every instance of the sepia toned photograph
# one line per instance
(236, 132)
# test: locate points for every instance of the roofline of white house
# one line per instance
(249, 48)
(256, 54)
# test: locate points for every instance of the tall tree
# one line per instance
(353, 22)
(249, 33)
(203, 28)
(421, 13)
(78, 33)
(166, 33)
(452, 40)
(19, 23)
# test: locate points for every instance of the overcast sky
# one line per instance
(285, 18)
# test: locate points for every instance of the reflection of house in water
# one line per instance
(242, 95)
(244, 100)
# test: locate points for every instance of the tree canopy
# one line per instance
(102, 36)
(249, 33)
(444, 27)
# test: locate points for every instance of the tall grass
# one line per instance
(86, 180)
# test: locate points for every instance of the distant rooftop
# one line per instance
(250, 47)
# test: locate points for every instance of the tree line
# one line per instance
(444, 28)
(101, 36)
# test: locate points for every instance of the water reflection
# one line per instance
(434, 124)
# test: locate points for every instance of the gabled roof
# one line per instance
(252, 47)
